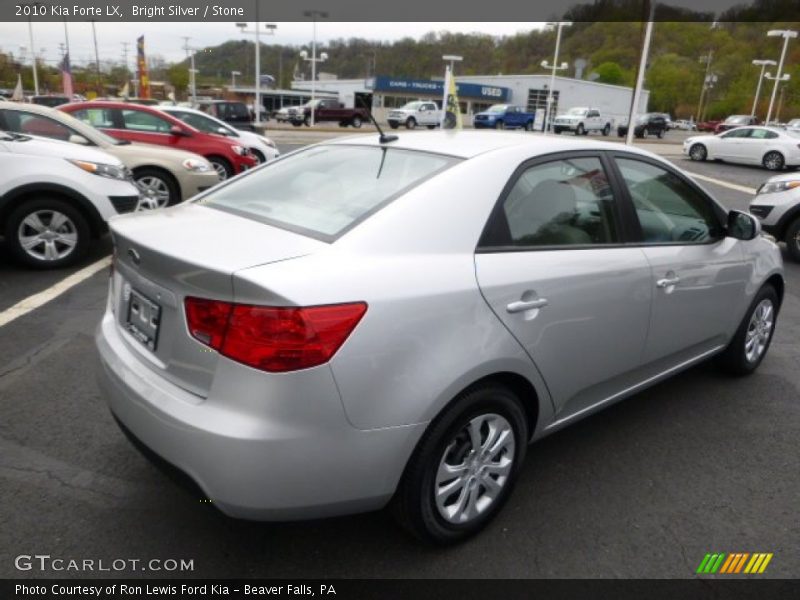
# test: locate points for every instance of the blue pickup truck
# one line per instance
(503, 116)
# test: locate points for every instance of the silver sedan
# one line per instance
(367, 322)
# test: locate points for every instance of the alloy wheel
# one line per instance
(47, 235)
(474, 469)
(155, 193)
(759, 330)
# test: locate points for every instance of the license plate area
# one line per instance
(142, 319)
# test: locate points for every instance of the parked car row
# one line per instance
(146, 157)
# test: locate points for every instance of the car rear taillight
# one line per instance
(275, 339)
(207, 320)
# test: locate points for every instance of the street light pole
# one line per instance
(786, 34)
(763, 64)
(555, 67)
(314, 14)
(257, 31)
(96, 59)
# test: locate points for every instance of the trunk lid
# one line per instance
(163, 256)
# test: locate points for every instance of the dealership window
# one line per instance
(537, 99)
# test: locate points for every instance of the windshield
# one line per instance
(577, 111)
(411, 106)
(203, 123)
(325, 190)
(497, 108)
(793, 123)
(737, 120)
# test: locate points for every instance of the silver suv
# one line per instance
(394, 322)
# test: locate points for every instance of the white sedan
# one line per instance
(772, 148)
(262, 148)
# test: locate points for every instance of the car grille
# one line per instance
(762, 212)
(124, 204)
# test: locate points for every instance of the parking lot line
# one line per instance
(33, 302)
(731, 186)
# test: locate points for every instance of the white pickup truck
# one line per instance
(581, 121)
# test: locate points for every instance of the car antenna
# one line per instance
(383, 139)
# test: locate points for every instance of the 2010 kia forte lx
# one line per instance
(366, 322)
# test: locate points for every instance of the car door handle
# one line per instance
(523, 305)
(668, 281)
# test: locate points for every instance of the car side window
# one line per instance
(669, 210)
(96, 117)
(566, 202)
(763, 134)
(23, 122)
(137, 120)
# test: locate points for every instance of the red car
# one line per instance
(138, 123)
(707, 125)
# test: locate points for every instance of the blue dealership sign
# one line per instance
(473, 91)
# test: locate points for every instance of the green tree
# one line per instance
(610, 72)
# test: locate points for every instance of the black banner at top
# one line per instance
(405, 10)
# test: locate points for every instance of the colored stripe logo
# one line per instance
(734, 563)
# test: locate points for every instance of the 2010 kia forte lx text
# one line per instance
(366, 322)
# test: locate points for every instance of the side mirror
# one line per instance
(223, 131)
(175, 130)
(743, 226)
(78, 139)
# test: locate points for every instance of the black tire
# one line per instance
(557, 130)
(499, 124)
(297, 123)
(660, 134)
(307, 120)
(773, 161)
(222, 166)
(258, 155)
(579, 130)
(529, 126)
(394, 125)
(792, 239)
(645, 133)
(431, 126)
(78, 226)
(607, 130)
(356, 122)
(414, 504)
(152, 173)
(411, 123)
(698, 152)
(734, 359)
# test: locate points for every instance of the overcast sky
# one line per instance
(165, 38)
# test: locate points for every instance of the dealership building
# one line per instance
(477, 92)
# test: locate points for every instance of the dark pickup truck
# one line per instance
(328, 110)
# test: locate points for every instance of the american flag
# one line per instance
(66, 75)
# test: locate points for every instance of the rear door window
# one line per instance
(326, 190)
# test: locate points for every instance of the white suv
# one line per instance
(415, 113)
(56, 196)
(777, 206)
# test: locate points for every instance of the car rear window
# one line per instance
(326, 190)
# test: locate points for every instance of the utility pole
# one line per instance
(125, 58)
(33, 54)
(98, 84)
(192, 70)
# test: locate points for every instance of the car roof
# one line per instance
(468, 144)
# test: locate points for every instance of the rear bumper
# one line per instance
(280, 451)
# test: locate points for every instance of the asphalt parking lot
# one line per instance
(701, 463)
